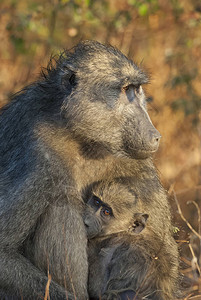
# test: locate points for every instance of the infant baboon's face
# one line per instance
(112, 209)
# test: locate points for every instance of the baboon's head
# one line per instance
(112, 208)
(106, 109)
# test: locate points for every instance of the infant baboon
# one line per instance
(84, 120)
(124, 256)
(102, 219)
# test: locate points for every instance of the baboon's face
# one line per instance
(112, 209)
(107, 106)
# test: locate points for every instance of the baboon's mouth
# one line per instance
(142, 154)
(138, 153)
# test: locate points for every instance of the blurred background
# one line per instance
(165, 38)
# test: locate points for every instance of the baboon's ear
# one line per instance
(140, 222)
(68, 79)
(145, 216)
(72, 80)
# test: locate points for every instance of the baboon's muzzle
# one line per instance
(141, 138)
(153, 140)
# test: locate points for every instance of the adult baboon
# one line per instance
(126, 254)
(84, 120)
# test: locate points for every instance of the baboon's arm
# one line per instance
(25, 280)
(18, 217)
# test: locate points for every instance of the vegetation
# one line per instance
(164, 36)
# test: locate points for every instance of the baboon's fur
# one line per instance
(77, 124)
(121, 204)
(121, 260)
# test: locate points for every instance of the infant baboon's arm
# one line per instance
(129, 264)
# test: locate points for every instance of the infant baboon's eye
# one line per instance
(107, 211)
(96, 200)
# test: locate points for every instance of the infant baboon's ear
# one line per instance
(145, 217)
(139, 222)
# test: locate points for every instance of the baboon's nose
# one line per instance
(154, 141)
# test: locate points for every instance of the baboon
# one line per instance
(106, 218)
(126, 255)
(84, 120)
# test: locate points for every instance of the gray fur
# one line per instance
(79, 123)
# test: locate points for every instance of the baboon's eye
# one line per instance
(125, 88)
(106, 211)
(96, 200)
(138, 89)
(131, 91)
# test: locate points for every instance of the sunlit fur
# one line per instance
(68, 129)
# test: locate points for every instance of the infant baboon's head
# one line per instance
(112, 208)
